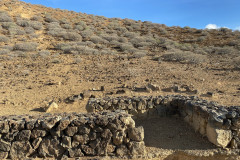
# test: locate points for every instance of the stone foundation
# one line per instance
(70, 135)
(220, 124)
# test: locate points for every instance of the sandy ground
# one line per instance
(27, 84)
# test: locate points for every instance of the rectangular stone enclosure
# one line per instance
(220, 124)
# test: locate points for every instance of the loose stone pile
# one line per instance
(70, 135)
(220, 124)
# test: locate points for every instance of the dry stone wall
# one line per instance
(70, 135)
(220, 124)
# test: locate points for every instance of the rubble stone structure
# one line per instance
(70, 135)
(220, 124)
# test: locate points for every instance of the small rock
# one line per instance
(110, 148)
(170, 89)
(51, 107)
(24, 135)
(120, 91)
(36, 142)
(21, 150)
(153, 87)
(51, 148)
(66, 142)
(102, 88)
(4, 127)
(38, 133)
(81, 139)
(4, 146)
(50, 123)
(141, 89)
(136, 134)
(71, 131)
(64, 122)
(137, 148)
(3, 155)
(118, 138)
(122, 151)
(88, 150)
(77, 152)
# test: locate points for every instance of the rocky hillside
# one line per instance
(38, 30)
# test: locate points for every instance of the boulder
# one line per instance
(219, 137)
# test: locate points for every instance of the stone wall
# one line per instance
(70, 135)
(220, 124)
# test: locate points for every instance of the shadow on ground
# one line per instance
(172, 133)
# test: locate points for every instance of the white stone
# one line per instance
(51, 107)
(219, 137)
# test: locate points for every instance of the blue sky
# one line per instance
(193, 13)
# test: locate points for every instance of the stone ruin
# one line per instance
(109, 130)
(220, 124)
(70, 135)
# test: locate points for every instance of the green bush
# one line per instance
(27, 46)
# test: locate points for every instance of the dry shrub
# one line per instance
(4, 38)
(71, 36)
(184, 57)
(236, 62)
(36, 25)
(26, 46)
(4, 17)
(4, 51)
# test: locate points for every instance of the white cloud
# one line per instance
(211, 26)
(238, 28)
